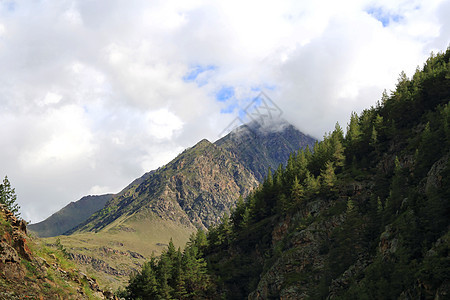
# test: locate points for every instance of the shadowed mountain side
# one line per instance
(263, 144)
(69, 216)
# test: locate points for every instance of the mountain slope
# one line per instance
(193, 191)
(70, 216)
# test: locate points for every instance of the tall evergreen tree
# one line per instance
(8, 197)
(297, 192)
(328, 177)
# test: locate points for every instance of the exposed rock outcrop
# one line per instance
(24, 274)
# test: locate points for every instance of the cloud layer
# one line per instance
(94, 94)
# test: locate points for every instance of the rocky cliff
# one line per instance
(30, 270)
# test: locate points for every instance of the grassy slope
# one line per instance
(114, 244)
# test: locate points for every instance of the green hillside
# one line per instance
(364, 215)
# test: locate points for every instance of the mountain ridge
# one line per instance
(238, 144)
(254, 140)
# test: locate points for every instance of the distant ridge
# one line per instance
(70, 216)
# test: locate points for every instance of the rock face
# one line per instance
(290, 276)
(97, 264)
(24, 274)
(260, 145)
(13, 245)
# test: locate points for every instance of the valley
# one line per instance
(360, 215)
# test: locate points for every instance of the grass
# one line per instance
(143, 236)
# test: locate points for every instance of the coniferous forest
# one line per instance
(362, 215)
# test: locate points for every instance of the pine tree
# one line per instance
(164, 275)
(301, 165)
(290, 167)
(144, 285)
(350, 206)
(224, 230)
(237, 216)
(328, 177)
(201, 241)
(337, 137)
(297, 192)
(374, 137)
(178, 277)
(8, 197)
(311, 184)
(353, 129)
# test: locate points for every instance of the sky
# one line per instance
(93, 94)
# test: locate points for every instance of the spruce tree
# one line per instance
(328, 177)
(8, 197)
(297, 192)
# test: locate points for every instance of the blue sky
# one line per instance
(195, 71)
(383, 16)
(225, 93)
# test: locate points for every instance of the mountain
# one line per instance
(70, 216)
(30, 270)
(191, 192)
(204, 181)
(364, 215)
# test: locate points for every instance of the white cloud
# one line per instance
(163, 123)
(50, 98)
(94, 95)
(66, 137)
